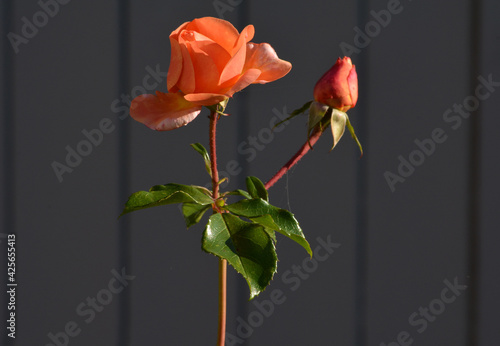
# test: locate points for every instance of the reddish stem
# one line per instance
(213, 155)
(221, 338)
(295, 158)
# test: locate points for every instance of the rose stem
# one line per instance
(295, 158)
(222, 262)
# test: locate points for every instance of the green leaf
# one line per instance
(295, 113)
(239, 192)
(193, 212)
(246, 246)
(268, 223)
(353, 135)
(280, 220)
(337, 123)
(204, 153)
(256, 188)
(271, 233)
(167, 194)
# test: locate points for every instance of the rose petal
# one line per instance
(186, 82)
(245, 80)
(235, 66)
(208, 59)
(163, 111)
(337, 77)
(263, 57)
(177, 31)
(212, 49)
(205, 71)
(245, 36)
(175, 68)
(352, 79)
(205, 99)
(209, 99)
(218, 30)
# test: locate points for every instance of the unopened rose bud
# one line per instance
(338, 88)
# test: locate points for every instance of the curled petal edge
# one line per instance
(205, 99)
(263, 57)
(163, 111)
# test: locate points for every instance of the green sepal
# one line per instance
(296, 112)
(167, 194)
(193, 212)
(337, 123)
(317, 112)
(206, 157)
(351, 130)
(246, 246)
(219, 107)
(256, 188)
(302, 109)
(267, 215)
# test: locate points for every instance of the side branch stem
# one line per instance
(295, 158)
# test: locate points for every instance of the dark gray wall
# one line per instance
(398, 249)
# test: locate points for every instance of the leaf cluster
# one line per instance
(242, 232)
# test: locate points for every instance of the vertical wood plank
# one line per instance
(418, 229)
(6, 154)
(6, 68)
(124, 245)
(489, 304)
(474, 164)
(66, 248)
(361, 189)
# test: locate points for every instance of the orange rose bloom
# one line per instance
(338, 88)
(210, 61)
